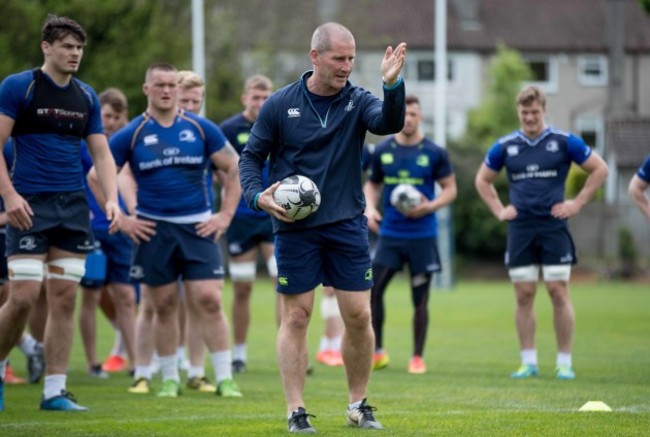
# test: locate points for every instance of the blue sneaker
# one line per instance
(2, 395)
(525, 371)
(564, 372)
(63, 402)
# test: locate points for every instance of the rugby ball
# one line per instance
(405, 197)
(298, 195)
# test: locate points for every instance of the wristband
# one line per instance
(393, 86)
(255, 207)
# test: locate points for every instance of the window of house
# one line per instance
(591, 129)
(544, 72)
(592, 70)
(426, 70)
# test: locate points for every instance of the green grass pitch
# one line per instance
(471, 350)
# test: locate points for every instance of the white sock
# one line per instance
(354, 405)
(240, 352)
(117, 343)
(222, 365)
(180, 353)
(27, 345)
(142, 372)
(529, 356)
(169, 368)
(54, 384)
(3, 367)
(335, 343)
(196, 372)
(563, 359)
(324, 344)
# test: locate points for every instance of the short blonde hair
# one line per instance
(188, 79)
(258, 82)
(531, 94)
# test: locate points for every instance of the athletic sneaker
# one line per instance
(525, 371)
(63, 402)
(36, 364)
(2, 395)
(417, 365)
(12, 378)
(141, 386)
(565, 373)
(330, 357)
(238, 366)
(228, 389)
(201, 383)
(380, 360)
(96, 371)
(170, 389)
(362, 417)
(114, 363)
(299, 422)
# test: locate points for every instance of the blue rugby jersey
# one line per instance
(421, 165)
(169, 163)
(537, 169)
(644, 170)
(50, 122)
(237, 129)
(325, 149)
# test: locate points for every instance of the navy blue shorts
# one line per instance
(176, 250)
(420, 254)
(335, 255)
(246, 233)
(118, 249)
(60, 220)
(4, 273)
(539, 243)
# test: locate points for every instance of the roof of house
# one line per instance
(479, 25)
(630, 139)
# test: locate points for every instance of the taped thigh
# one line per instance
(329, 307)
(560, 272)
(272, 266)
(26, 269)
(242, 271)
(524, 274)
(69, 269)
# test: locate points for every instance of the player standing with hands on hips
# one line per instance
(316, 127)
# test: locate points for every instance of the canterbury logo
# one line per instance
(293, 112)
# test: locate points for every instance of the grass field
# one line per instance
(471, 350)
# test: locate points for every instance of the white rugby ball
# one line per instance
(298, 195)
(405, 197)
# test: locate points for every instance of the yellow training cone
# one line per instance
(595, 406)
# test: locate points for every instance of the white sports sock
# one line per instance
(3, 367)
(180, 353)
(240, 352)
(222, 365)
(27, 345)
(142, 372)
(324, 344)
(196, 372)
(354, 405)
(117, 344)
(169, 368)
(335, 343)
(529, 356)
(563, 359)
(54, 384)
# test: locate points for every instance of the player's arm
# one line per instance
(19, 213)
(107, 177)
(636, 190)
(372, 191)
(598, 171)
(226, 161)
(484, 183)
(448, 193)
(128, 188)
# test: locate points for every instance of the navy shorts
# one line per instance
(420, 254)
(60, 220)
(176, 250)
(118, 249)
(335, 255)
(539, 243)
(247, 232)
(4, 273)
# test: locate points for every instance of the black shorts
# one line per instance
(246, 233)
(60, 220)
(4, 273)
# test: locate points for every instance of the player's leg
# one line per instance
(87, 328)
(144, 343)
(183, 316)
(165, 301)
(36, 322)
(124, 297)
(267, 247)
(243, 270)
(196, 379)
(329, 349)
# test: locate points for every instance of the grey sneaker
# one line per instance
(362, 417)
(96, 371)
(36, 364)
(299, 422)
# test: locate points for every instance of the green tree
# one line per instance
(645, 4)
(478, 234)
